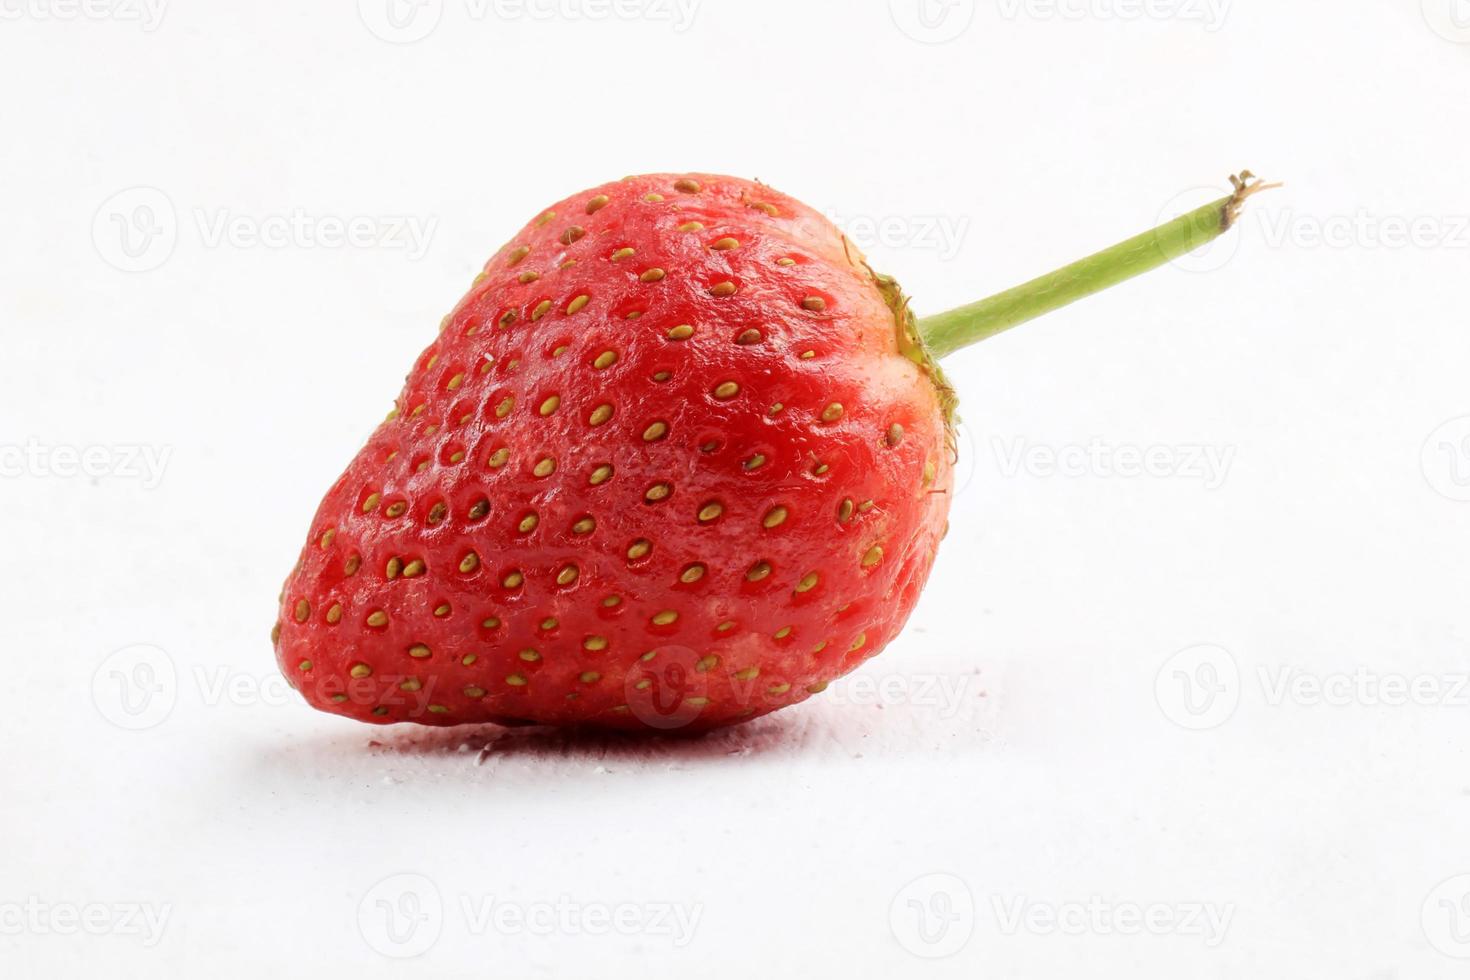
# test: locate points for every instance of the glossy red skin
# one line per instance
(850, 614)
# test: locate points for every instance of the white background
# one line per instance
(1086, 709)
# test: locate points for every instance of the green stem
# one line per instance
(945, 333)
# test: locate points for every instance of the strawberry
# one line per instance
(679, 458)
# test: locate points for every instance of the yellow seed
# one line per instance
(585, 526)
(550, 405)
(469, 562)
(783, 632)
(832, 412)
(360, 671)
(844, 511)
(873, 557)
(817, 688)
(600, 475)
(807, 355)
(657, 492)
(664, 618)
(517, 254)
(865, 506)
(705, 664)
(775, 517)
(639, 549)
(474, 692)
(506, 404)
(544, 468)
(499, 458)
(576, 305)
(595, 643)
(777, 409)
(352, 565)
(513, 580)
(644, 684)
(516, 680)
(748, 674)
(541, 310)
(653, 198)
(691, 226)
(441, 610)
(662, 376)
(693, 573)
(457, 457)
(304, 665)
(605, 360)
(455, 381)
(394, 567)
(334, 614)
(758, 571)
(468, 659)
(549, 623)
(682, 332)
(727, 389)
(778, 688)
(655, 432)
(590, 677)
(528, 523)
(597, 203)
(572, 234)
(687, 185)
(723, 289)
(528, 277)
(303, 610)
(621, 254)
(418, 651)
(371, 502)
(711, 511)
(857, 644)
(786, 261)
(807, 583)
(652, 275)
(895, 435)
(491, 623)
(768, 208)
(600, 415)
(567, 575)
(751, 336)
(696, 702)
(329, 537)
(479, 509)
(529, 656)
(725, 244)
(755, 462)
(815, 304)
(338, 698)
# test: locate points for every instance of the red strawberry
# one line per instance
(677, 459)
